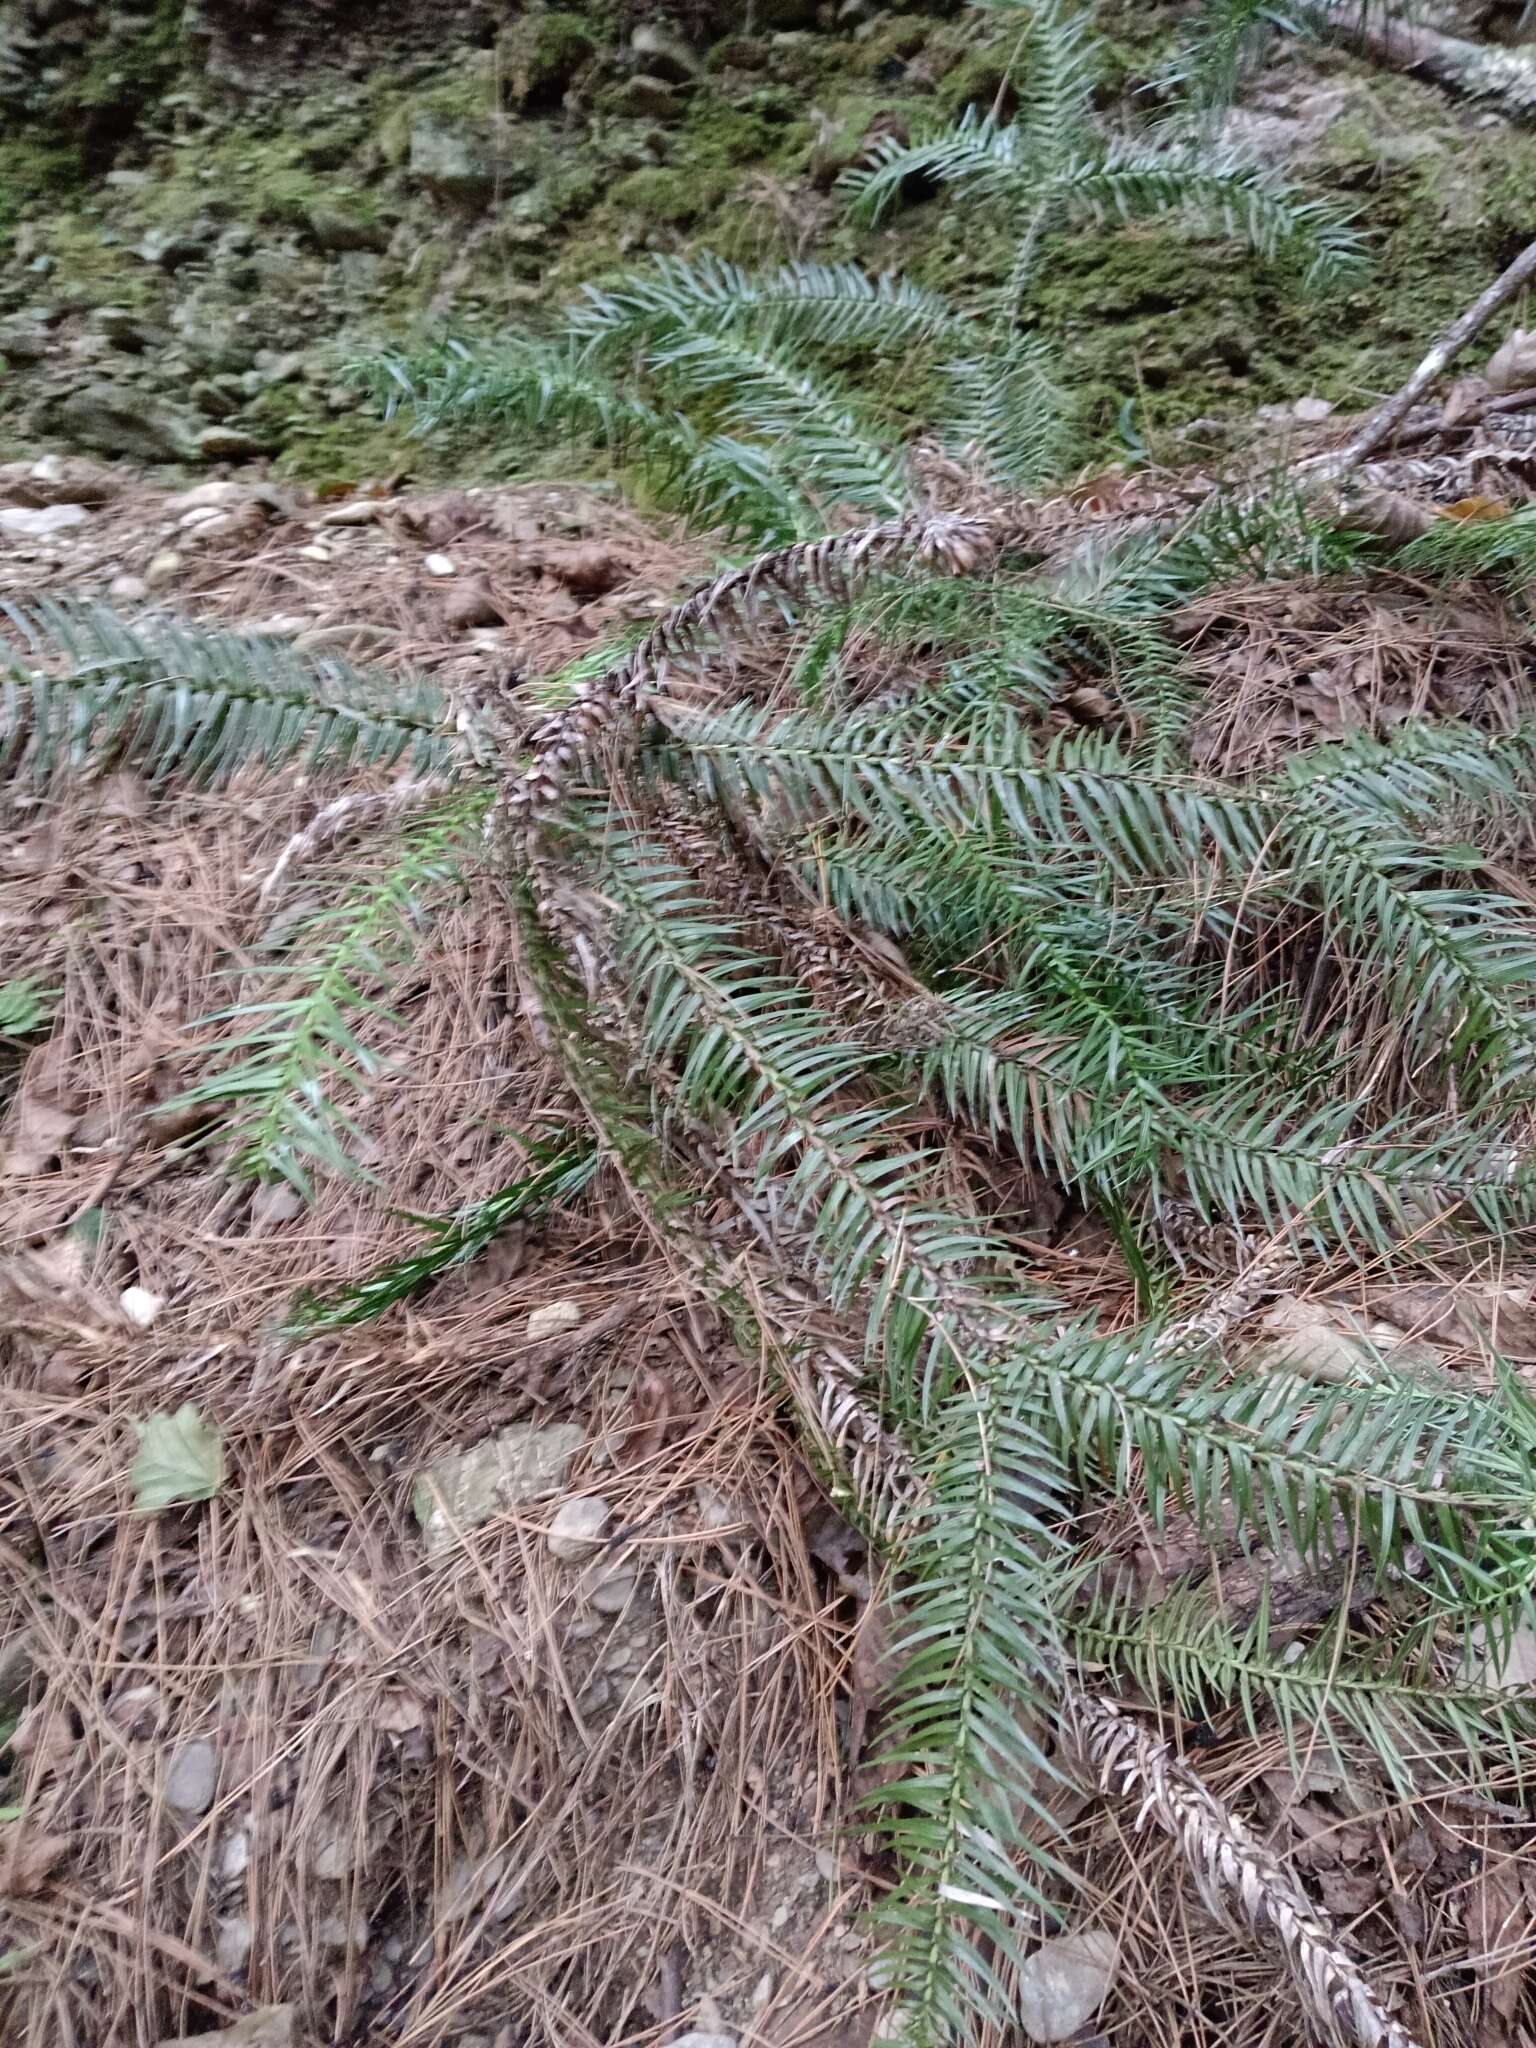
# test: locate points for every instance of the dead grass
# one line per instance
(574, 1822)
(481, 1794)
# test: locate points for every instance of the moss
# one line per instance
(667, 196)
(976, 80)
(894, 42)
(36, 167)
(542, 54)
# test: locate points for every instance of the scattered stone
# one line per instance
(438, 565)
(140, 1306)
(216, 495)
(610, 1592)
(277, 626)
(472, 605)
(517, 1465)
(65, 480)
(114, 419)
(236, 1855)
(343, 1931)
(644, 98)
(553, 1320)
(127, 589)
(163, 569)
(356, 512)
(315, 553)
(577, 1529)
(698, 2040)
(332, 1854)
(1312, 411)
(453, 159)
(227, 444)
(1063, 1984)
(170, 248)
(24, 524)
(338, 226)
(1500, 1666)
(193, 1777)
(356, 638)
(232, 1943)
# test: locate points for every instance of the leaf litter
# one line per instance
(592, 1795)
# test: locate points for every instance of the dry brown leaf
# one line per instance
(27, 1857)
(653, 1411)
(39, 1129)
(1475, 508)
(1464, 396)
(1512, 366)
(1499, 1931)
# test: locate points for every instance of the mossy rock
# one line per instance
(664, 196)
(980, 79)
(542, 53)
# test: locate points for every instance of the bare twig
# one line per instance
(1389, 415)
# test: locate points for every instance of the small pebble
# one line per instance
(164, 569)
(232, 1944)
(577, 1529)
(140, 1306)
(612, 1593)
(194, 1772)
(438, 565)
(315, 553)
(553, 1320)
(126, 589)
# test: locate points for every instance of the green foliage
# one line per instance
(1049, 166)
(286, 1066)
(560, 1173)
(89, 690)
(25, 1007)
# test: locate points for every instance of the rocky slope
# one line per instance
(205, 210)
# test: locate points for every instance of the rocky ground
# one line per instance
(209, 210)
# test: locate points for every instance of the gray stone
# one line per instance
(128, 331)
(114, 419)
(524, 1463)
(23, 341)
(701, 2040)
(127, 589)
(229, 444)
(193, 1777)
(663, 54)
(611, 1592)
(359, 638)
(343, 1931)
(335, 225)
(644, 98)
(232, 1943)
(577, 1529)
(22, 523)
(453, 159)
(170, 248)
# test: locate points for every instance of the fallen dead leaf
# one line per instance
(40, 1128)
(27, 1857)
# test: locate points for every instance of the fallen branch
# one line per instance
(1239, 1877)
(1505, 78)
(1393, 411)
